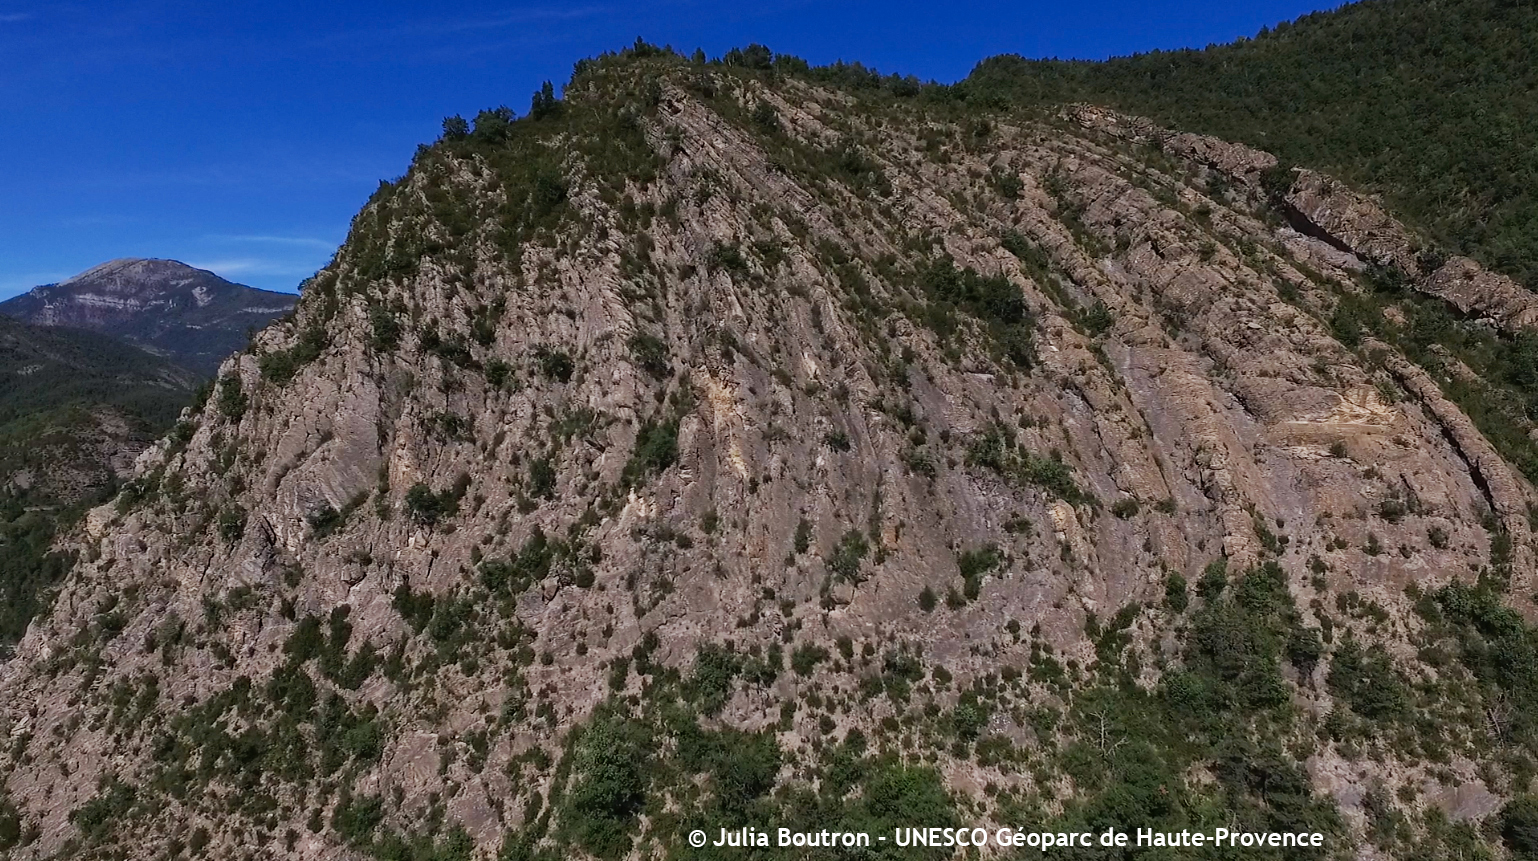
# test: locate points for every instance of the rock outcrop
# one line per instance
(694, 371)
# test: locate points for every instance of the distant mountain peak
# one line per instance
(188, 314)
(137, 267)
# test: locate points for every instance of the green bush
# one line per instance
(847, 556)
(994, 301)
(355, 819)
(715, 670)
(609, 763)
(232, 523)
(555, 364)
(1214, 578)
(1519, 826)
(1175, 596)
(973, 564)
(803, 538)
(656, 449)
(1304, 649)
(232, 399)
(651, 354)
(541, 478)
(806, 657)
(497, 373)
(1365, 680)
(98, 817)
(428, 508)
(280, 366)
(927, 600)
(385, 328)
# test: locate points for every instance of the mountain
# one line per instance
(76, 409)
(743, 444)
(189, 315)
(1434, 105)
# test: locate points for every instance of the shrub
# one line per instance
(427, 507)
(806, 657)
(973, 564)
(656, 449)
(555, 364)
(451, 349)
(608, 784)
(325, 520)
(541, 478)
(98, 817)
(651, 354)
(232, 523)
(803, 538)
(766, 118)
(280, 366)
(10, 826)
(729, 258)
(356, 818)
(1519, 826)
(742, 766)
(1365, 679)
(232, 399)
(851, 550)
(715, 670)
(386, 329)
(1214, 579)
(927, 600)
(1304, 648)
(497, 373)
(1175, 597)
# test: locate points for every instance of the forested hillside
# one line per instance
(1432, 103)
(75, 408)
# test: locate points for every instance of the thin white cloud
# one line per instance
(449, 27)
(16, 17)
(248, 266)
(522, 16)
(299, 241)
(98, 220)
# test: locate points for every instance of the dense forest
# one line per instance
(1432, 103)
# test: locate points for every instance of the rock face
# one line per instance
(615, 407)
(1353, 222)
(190, 315)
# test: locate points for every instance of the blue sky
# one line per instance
(241, 137)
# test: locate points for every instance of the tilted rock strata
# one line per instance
(1226, 414)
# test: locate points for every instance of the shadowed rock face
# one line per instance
(705, 360)
(190, 315)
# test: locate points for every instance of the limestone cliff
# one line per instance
(740, 413)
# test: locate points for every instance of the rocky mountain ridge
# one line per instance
(169, 308)
(721, 446)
